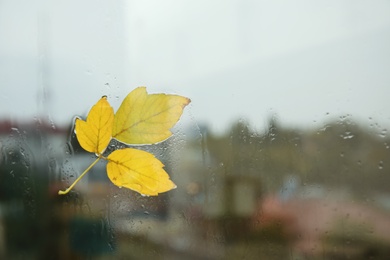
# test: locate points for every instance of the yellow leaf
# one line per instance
(94, 134)
(146, 118)
(141, 119)
(139, 171)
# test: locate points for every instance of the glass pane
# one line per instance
(283, 152)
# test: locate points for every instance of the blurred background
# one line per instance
(283, 153)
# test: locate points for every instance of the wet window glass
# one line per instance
(283, 152)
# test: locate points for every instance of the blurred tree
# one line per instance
(341, 154)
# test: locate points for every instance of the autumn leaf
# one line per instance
(142, 118)
(94, 134)
(146, 118)
(138, 170)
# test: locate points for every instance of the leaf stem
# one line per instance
(63, 192)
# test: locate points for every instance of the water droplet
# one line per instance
(380, 165)
(383, 133)
(347, 135)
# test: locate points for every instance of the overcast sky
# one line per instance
(305, 61)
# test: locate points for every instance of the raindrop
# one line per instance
(52, 125)
(347, 135)
(380, 165)
(383, 133)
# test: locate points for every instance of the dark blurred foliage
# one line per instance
(340, 154)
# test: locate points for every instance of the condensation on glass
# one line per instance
(283, 153)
